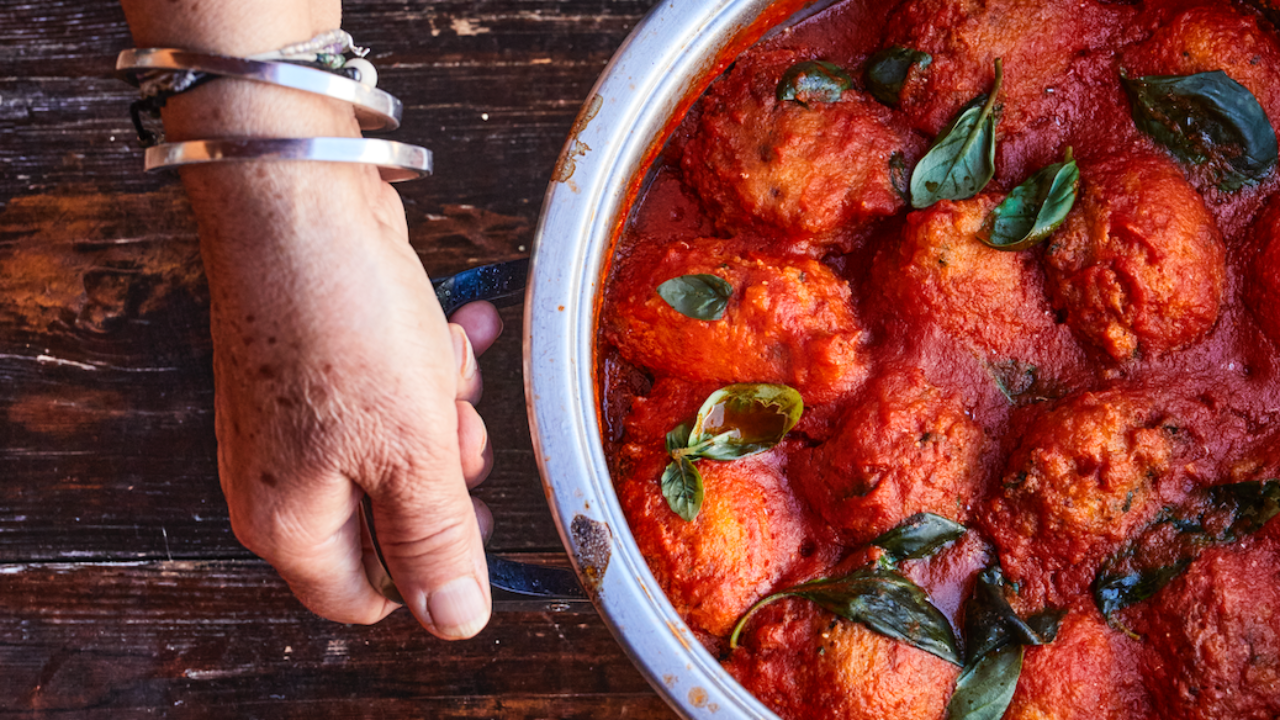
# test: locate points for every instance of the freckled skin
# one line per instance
(940, 272)
(1213, 637)
(1080, 481)
(1139, 265)
(779, 167)
(805, 662)
(1079, 676)
(903, 448)
(788, 321)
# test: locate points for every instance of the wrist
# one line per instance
(231, 107)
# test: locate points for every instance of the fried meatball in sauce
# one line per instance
(749, 532)
(845, 670)
(1213, 637)
(1080, 480)
(1217, 36)
(713, 568)
(904, 448)
(1139, 266)
(942, 273)
(785, 168)
(1086, 673)
(1037, 41)
(789, 320)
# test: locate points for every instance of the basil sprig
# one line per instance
(1206, 118)
(887, 70)
(1221, 515)
(962, 160)
(701, 297)
(995, 639)
(813, 81)
(918, 536)
(881, 599)
(1034, 209)
(733, 422)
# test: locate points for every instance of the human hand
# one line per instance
(336, 373)
(336, 376)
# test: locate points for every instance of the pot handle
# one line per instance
(501, 284)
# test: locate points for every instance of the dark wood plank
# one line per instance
(123, 592)
(226, 639)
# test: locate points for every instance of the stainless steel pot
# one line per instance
(664, 65)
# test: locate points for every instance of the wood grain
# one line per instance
(123, 592)
(207, 639)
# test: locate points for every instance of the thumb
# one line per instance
(430, 538)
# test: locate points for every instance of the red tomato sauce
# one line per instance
(1057, 401)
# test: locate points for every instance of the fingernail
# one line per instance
(458, 610)
(462, 352)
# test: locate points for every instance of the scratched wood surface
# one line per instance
(123, 592)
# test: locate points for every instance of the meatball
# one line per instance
(1218, 36)
(807, 664)
(788, 321)
(1038, 43)
(1213, 638)
(750, 531)
(1263, 292)
(1085, 674)
(1138, 266)
(741, 543)
(904, 448)
(1080, 480)
(942, 273)
(797, 170)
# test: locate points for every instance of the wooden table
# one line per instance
(123, 592)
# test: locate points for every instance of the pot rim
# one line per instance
(665, 63)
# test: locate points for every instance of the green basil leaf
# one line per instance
(1034, 209)
(962, 160)
(888, 604)
(678, 439)
(701, 297)
(1206, 118)
(813, 81)
(1252, 504)
(887, 70)
(1045, 625)
(1153, 558)
(880, 599)
(682, 487)
(745, 419)
(918, 536)
(990, 623)
(1115, 592)
(985, 689)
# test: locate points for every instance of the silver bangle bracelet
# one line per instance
(396, 161)
(375, 109)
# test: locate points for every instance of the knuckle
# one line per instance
(444, 541)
